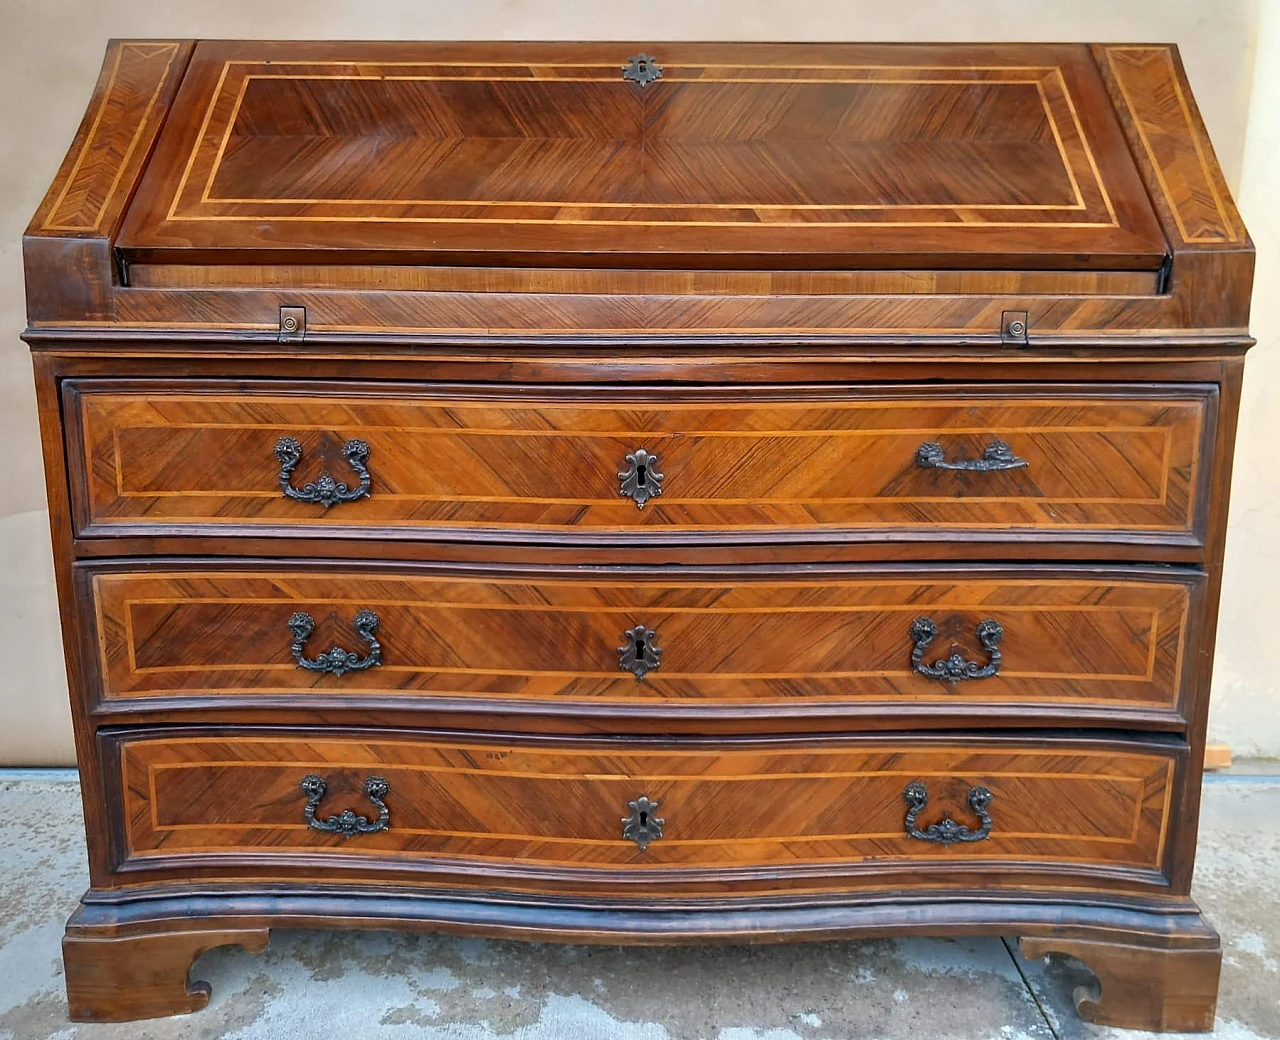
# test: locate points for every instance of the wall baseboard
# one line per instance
(19, 774)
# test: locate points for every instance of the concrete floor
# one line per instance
(314, 985)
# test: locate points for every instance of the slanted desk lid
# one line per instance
(738, 156)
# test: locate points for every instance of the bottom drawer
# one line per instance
(515, 810)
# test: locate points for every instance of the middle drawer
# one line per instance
(1100, 645)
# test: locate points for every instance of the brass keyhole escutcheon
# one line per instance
(640, 479)
(639, 652)
(642, 69)
(642, 826)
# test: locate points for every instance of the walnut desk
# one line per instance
(640, 494)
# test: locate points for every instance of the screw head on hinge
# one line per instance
(1014, 328)
(293, 323)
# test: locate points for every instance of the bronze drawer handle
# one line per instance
(954, 668)
(347, 823)
(336, 661)
(639, 652)
(324, 489)
(946, 831)
(642, 826)
(995, 456)
(641, 480)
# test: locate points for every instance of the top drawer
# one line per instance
(1096, 463)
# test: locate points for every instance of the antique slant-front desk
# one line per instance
(640, 493)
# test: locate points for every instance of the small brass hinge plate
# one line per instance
(1014, 329)
(293, 324)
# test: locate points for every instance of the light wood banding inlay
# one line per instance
(1100, 459)
(115, 139)
(1106, 643)
(548, 151)
(560, 807)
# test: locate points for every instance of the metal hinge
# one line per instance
(1014, 329)
(122, 265)
(1164, 275)
(293, 324)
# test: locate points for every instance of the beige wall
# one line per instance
(1245, 709)
(50, 51)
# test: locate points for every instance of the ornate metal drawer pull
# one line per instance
(642, 826)
(995, 456)
(641, 480)
(336, 661)
(946, 831)
(325, 490)
(642, 69)
(955, 667)
(639, 652)
(347, 823)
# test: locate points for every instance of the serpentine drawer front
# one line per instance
(640, 493)
(562, 809)
(1119, 461)
(1109, 643)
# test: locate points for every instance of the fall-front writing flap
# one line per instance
(644, 155)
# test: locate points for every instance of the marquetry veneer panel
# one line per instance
(559, 806)
(199, 457)
(735, 155)
(1089, 641)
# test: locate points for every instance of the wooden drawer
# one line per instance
(1089, 644)
(556, 808)
(1097, 462)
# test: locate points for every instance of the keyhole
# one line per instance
(642, 474)
(639, 649)
(644, 819)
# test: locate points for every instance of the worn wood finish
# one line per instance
(557, 808)
(811, 270)
(1139, 987)
(1076, 645)
(614, 922)
(143, 976)
(1107, 459)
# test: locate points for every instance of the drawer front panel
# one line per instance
(864, 460)
(565, 807)
(1079, 640)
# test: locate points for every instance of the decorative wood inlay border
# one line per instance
(1142, 626)
(1117, 780)
(115, 138)
(204, 161)
(126, 438)
(1137, 784)
(1173, 142)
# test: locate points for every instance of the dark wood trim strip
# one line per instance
(1176, 925)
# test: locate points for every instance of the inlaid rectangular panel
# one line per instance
(1147, 83)
(559, 808)
(1096, 643)
(738, 155)
(112, 145)
(1099, 462)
